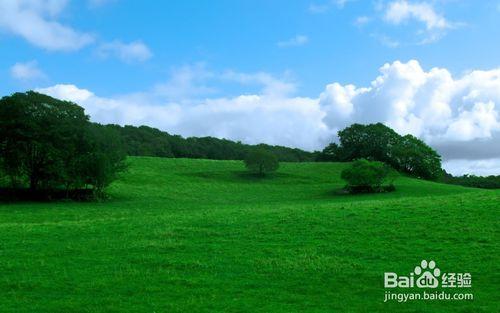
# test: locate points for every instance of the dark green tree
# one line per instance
(261, 162)
(413, 156)
(378, 142)
(49, 144)
(332, 153)
(40, 137)
(373, 142)
(105, 158)
(366, 176)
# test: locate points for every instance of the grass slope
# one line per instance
(202, 236)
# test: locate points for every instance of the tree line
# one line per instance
(148, 141)
(47, 144)
(486, 182)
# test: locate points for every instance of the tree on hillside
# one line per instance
(330, 153)
(38, 136)
(145, 141)
(413, 156)
(148, 141)
(378, 142)
(48, 144)
(373, 141)
(364, 176)
(261, 162)
(105, 157)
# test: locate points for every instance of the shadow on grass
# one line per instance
(343, 192)
(245, 177)
(25, 194)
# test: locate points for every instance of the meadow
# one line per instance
(184, 235)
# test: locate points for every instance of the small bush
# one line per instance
(261, 162)
(365, 176)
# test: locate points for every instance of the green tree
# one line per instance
(365, 176)
(413, 156)
(261, 162)
(49, 144)
(105, 158)
(373, 142)
(331, 153)
(378, 142)
(39, 137)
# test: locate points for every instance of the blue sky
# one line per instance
(244, 36)
(269, 71)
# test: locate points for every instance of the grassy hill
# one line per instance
(185, 235)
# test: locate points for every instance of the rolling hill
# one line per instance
(182, 235)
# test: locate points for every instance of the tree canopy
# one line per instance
(48, 144)
(378, 142)
(367, 176)
(261, 162)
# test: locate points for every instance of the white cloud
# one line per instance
(298, 40)
(478, 167)
(271, 86)
(478, 122)
(35, 21)
(197, 81)
(26, 71)
(186, 82)
(402, 10)
(431, 105)
(249, 118)
(135, 51)
(457, 116)
(67, 92)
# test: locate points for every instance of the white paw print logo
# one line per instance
(428, 274)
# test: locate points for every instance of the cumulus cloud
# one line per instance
(456, 115)
(135, 51)
(298, 40)
(36, 21)
(26, 71)
(451, 114)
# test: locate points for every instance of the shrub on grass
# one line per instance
(365, 176)
(261, 162)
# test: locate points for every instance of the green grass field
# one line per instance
(183, 235)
